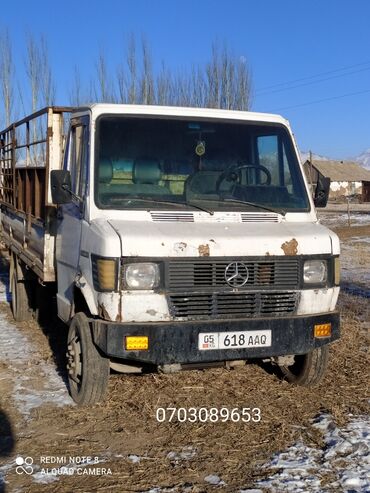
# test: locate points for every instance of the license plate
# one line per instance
(234, 340)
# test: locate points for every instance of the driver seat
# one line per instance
(204, 183)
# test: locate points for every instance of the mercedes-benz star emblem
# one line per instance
(236, 274)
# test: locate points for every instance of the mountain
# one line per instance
(316, 157)
(364, 159)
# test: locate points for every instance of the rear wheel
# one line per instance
(21, 306)
(88, 370)
(307, 369)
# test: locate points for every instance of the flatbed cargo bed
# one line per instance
(29, 150)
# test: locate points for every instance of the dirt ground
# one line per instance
(142, 453)
(345, 232)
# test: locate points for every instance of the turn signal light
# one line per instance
(107, 273)
(322, 330)
(336, 271)
(137, 343)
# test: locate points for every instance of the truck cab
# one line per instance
(188, 238)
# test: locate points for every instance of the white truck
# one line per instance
(173, 238)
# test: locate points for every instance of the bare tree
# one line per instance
(182, 92)
(33, 70)
(7, 76)
(198, 87)
(213, 77)
(47, 84)
(243, 89)
(39, 73)
(223, 82)
(104, 91)
(163, 86)
(146, 83)
(75, 98)
(121, 84)
(127, 74)
(228, 80)
(91, 91)
(132, 70)
(21, 98)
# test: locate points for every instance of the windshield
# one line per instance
(159, 163)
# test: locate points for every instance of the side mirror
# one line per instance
(60, 180)
(322, 191)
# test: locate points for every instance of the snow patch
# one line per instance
(353, 269)
(187, 453)
(253, 490)
(5, 295)
(345, 458)
(134, 458)
(364, 159)
(22, 358)
(305, 156)
(357, 219)
(4, 469)
(214, 480)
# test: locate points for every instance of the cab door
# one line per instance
(72, 215)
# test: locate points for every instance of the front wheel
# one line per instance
(307, 369)
(88, 370)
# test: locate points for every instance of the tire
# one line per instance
(20, 298)
(88, 370)
(308, 369)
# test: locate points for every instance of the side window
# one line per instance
(287, 174)
(272, 155)
(268, 155)
(78, 158)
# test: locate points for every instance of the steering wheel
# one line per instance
(231, 175)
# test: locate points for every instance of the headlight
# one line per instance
(141, 276)
(315, 271)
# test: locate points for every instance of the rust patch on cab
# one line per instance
(203, 250)
(290, 247)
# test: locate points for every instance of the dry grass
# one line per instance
(347, 232)
(126, 423)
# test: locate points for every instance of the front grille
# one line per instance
(232, 305)
(275, 303)
(278, 273)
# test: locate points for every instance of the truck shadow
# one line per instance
(44, 307)
(54, 329)
(7, 443)
(5, 294)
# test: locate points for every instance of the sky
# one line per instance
(310, 59)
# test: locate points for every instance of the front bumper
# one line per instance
(177, 342)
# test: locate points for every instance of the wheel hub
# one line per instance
(74, 363)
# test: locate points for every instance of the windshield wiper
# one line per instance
(160, 201)
(243, 202)
(255, 204)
